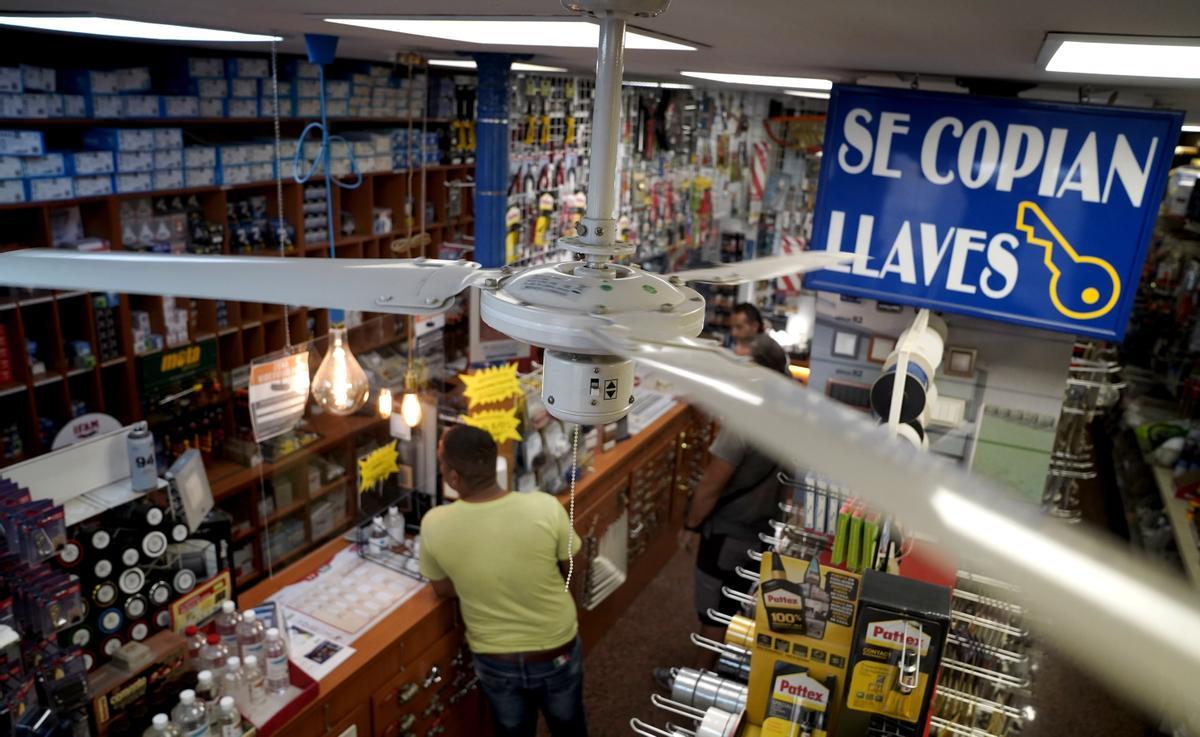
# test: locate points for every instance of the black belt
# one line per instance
(536, 656)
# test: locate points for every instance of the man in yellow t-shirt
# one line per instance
(505, 556)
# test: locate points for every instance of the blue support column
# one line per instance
(491, 158)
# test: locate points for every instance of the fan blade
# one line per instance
(1121, 616)
(409, 286)
(767, 267)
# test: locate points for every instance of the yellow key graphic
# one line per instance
(1095, 279)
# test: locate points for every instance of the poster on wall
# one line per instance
(1029, 212)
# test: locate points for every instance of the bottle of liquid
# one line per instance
(229, 721)
(250, 635)
(232, 683)
(395, 527)
(161, 726)
(226, 624)
(254, 682)
(189, 716)
(213, 656)
(377, 538)
(276, 654)
(195, 643)
(207, 693)
(783, 600)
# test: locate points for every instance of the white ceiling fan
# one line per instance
(1120, 615)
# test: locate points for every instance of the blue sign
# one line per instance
(1029, 212)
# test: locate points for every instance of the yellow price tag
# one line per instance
(377, 466)
(491, 385)
(501, 424)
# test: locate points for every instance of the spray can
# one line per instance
(143, 469)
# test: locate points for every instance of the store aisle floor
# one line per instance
(654, 632)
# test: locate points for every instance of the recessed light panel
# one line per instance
(99, 26)
(759, 80)
(1122, 56)
(806, 93)
(517, 66)
(516, 32)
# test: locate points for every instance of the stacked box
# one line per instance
(11, 167)
(6, 366)
(89, 163)
(144, 339)
(38, 79)
(246, 67)
(44, 189)
(212, 107)
(120, 139)
(74, 106)
(105, 106)
(104, 307)
(133, 79)
(241, 107)
(22, 143)
(12, 191)
(180, 106)
(96, 185)
(175, 321)
(10, 80)
(47, 165)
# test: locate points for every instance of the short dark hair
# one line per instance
(752, 314)
(769, 354)
(471, 453)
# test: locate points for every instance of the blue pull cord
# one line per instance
(322, 159)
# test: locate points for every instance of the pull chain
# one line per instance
(571, 514)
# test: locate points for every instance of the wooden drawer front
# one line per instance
(414, 701)
(319, 722)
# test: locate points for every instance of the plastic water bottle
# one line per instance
(161, 726)
(195, 643)
(250, 635)
(276, 654)
(229, 721)
(190, 717)
(207, 693)
(213, 656)
(232, 683)
(255, 683)
(226, 624)
(377, 538)
(395, 527)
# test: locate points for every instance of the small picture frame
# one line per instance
(845, 344)
(960, 362)
(880, 347)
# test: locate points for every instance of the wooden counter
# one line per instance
(369, 690)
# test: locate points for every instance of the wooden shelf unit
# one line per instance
(252, 329)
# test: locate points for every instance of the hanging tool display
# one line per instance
(462, 129)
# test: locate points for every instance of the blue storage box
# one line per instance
(97, 185)
(22, 143)
(337, 89)
(43, 105)
(200, 157)
(87, 82)
(128, 183)
(180, 106)
(43, 189)
(75, 106)
(307, 108)
(90, 163)
(168, 179)
(167, 137)
(38, 79)
(119, 139)
(12, 106)
(301, 69)
(130, 162)
(241, 107)
(208, 87)
(266, 104)
(197, 66)
(46, 165)
(307, 88)
(243, 87)
(247, 67)
(142, 106)
(105, 106)
(212, 107)
(12, 191)
(200, 177)
(168, 158)
(10, 80)
(11, 167)
(133, 79)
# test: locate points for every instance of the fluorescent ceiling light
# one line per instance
(803, 93)
(657, 85)
(99, 26)
(1124, 56)
(516, 32)
(517, 66)
(807, 83)
(1190, 128)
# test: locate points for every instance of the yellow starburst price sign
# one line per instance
(491, 385)
(377, 466)
(501, 424)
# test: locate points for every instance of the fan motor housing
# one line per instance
(587, 389)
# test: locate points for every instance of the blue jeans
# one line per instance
(518, 690)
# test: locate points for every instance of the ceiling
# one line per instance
(845, 40)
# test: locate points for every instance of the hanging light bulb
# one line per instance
(340, 385)
(410, 409)
(385, 403)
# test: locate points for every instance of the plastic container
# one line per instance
(161, 726)
(377, 539)
(276, 654)
(254, 683)
(190, 716)
(251, 635)
(229, 721)
(394, 522)
(226, 624)
(195, 643)
(213, 656)
(232, 683)
(208, 693)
